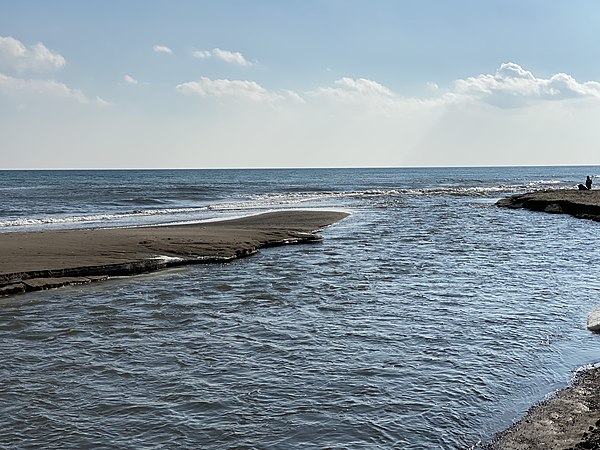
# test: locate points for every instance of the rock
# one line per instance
(16, 288)
(554, 208)
(38, 284)
(581, 204)
(97, 277)
(593, 321)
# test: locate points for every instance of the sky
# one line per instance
(329, 83)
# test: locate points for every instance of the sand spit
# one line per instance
(40, 260)
(582, 204)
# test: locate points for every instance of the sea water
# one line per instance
(427, 319)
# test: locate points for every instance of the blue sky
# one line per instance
(298, 84)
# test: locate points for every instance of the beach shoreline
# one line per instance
(33, 261)
(570, 418)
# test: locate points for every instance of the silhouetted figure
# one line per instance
(588, 185)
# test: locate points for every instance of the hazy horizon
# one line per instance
(295, 168)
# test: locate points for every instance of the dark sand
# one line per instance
(582, 204)
(39, 260)
(570, 419)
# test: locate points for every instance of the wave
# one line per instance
(20, 188)
(144, 201)
(96, 217)
(282, 199)
(472, 191)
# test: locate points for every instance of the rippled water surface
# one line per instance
(427, 319)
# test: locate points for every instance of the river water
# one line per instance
(427, 319)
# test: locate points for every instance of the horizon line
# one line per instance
(475, 166)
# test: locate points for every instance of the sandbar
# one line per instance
(39, 260)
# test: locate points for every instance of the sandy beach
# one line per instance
(40, 260)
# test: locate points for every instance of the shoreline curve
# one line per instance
(570, 418)
(32, 261)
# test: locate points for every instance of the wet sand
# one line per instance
(570, 419)
(40, 260)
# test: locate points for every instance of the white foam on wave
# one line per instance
(96, 217)
(271, 200)
(167, 259)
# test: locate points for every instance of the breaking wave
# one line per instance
(280, 199)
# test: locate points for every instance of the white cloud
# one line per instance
(134, 81)
(223, 55)
(510, 86)
(513, 86)
(20, 87)
(100, 101)
(353, 90)
(14, 55)
(162, 49)
(238, 89)
(202, 54)
(432, 86)
(349, 122)
(130, 80)
(230, 57)
(363, 93)
(363, 86)
(294, 96)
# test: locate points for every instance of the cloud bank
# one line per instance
(511, 86)
(235, 89)
(357, 91)
(21, 87)
(15, 56)
(508, 116)
(346, 88)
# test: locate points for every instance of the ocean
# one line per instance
(427, 319)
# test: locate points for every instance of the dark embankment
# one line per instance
(582, 204)
(40, 260)
(569, 420)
